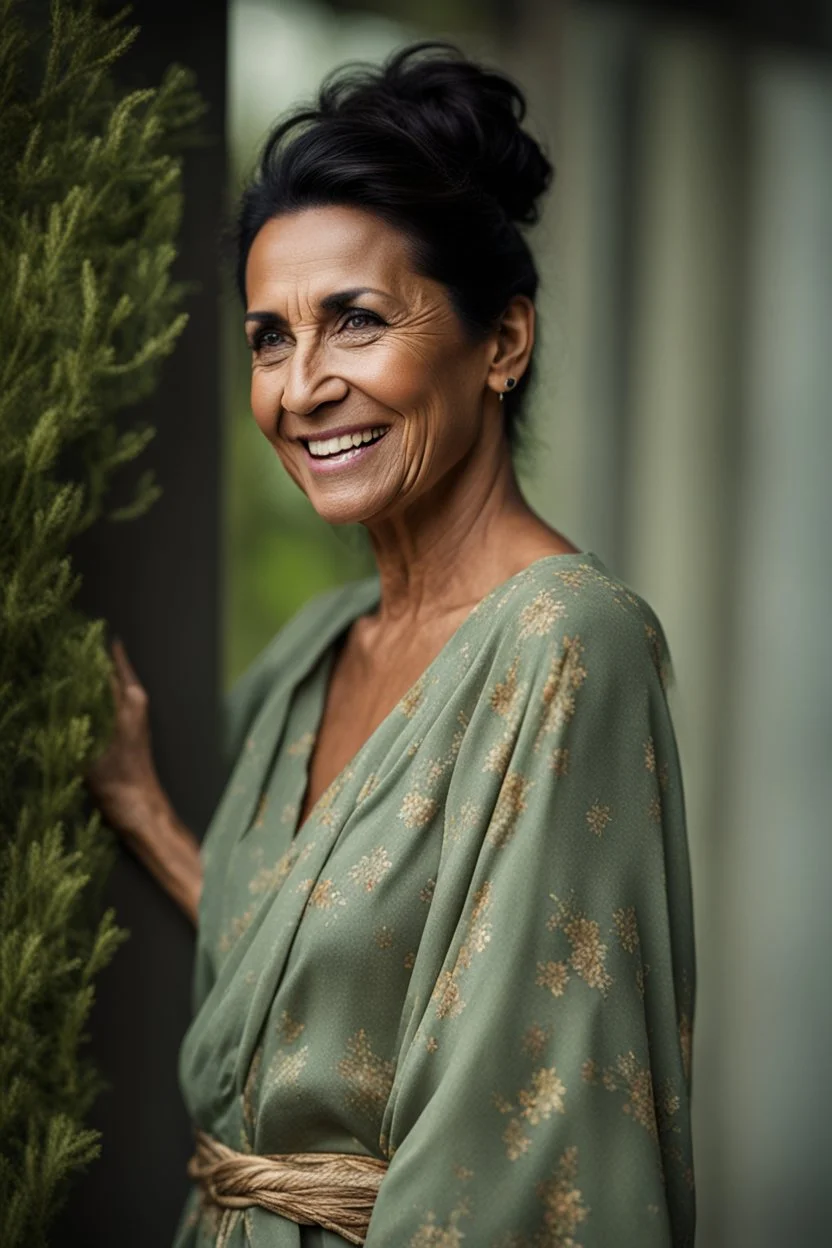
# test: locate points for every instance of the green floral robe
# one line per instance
(475, 958)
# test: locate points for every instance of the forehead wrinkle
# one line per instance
(338, 254)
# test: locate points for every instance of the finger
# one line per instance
(124, 667)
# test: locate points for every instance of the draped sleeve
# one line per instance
(541, 1096)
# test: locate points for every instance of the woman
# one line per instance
(444, 945)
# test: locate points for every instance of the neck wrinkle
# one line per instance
(445, 552)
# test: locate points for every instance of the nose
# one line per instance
(310, 382)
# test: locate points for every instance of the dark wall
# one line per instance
(156, 580)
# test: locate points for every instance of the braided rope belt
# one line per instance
(334, 1190)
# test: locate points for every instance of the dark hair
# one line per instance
(431, 142)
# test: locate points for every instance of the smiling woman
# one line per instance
(333, 358)
(445, 978)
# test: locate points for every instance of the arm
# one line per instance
(168, 849)
(125, 787)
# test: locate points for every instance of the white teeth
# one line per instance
(334, 446)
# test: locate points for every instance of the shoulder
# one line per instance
(304, 635)
(575, 605)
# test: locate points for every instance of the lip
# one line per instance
(345, 459)
(320, 435)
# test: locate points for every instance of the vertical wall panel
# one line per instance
(581, 72)
(777, 1016)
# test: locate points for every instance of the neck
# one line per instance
(458, 542)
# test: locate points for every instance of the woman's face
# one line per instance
(363, 378)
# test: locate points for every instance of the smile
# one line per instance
(329, 454)
(327, 447)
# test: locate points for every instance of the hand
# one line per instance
(123, 780)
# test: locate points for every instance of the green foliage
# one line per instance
(90, 204)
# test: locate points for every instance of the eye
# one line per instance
(360, 319)
(265, 338)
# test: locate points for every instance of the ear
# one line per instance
(514, 341)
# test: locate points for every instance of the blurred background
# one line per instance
(680, 428)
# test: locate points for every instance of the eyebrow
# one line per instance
(336, 302)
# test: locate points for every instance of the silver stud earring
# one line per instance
(511, 382)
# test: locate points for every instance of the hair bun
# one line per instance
(462, 116)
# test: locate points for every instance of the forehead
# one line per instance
(320, 248)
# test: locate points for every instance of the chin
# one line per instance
(347, 510)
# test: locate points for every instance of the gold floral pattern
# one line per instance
(566, 675)
(627, 1075)
(417, 810)
(237, 927)
(432, 1235)
(650, 754)
(563, 1204)
(447, 995)
(412, 700)
(302, 748)
(516, 1140)
(535, 1103)
(597, 818)
(554, 976)
(588, 952)
(543, 1097)
(289, 813)
(270, 878)
(559, 761)
(627, 925)
(371, 869)
(286, 1068)
(427, 891)
(464, 822)
(535, 1039)
(499, 756)
(368, 1075)
(289, 1029)
(541, 615)
(573, 579)
(504, 695)
(511, 802)
(368, 788)
(588, 958)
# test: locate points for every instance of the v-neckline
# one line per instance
(327, 660)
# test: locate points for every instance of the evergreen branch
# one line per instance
(90, 206)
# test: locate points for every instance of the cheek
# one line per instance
(392, 375)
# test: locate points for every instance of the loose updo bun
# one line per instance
(433, 143)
